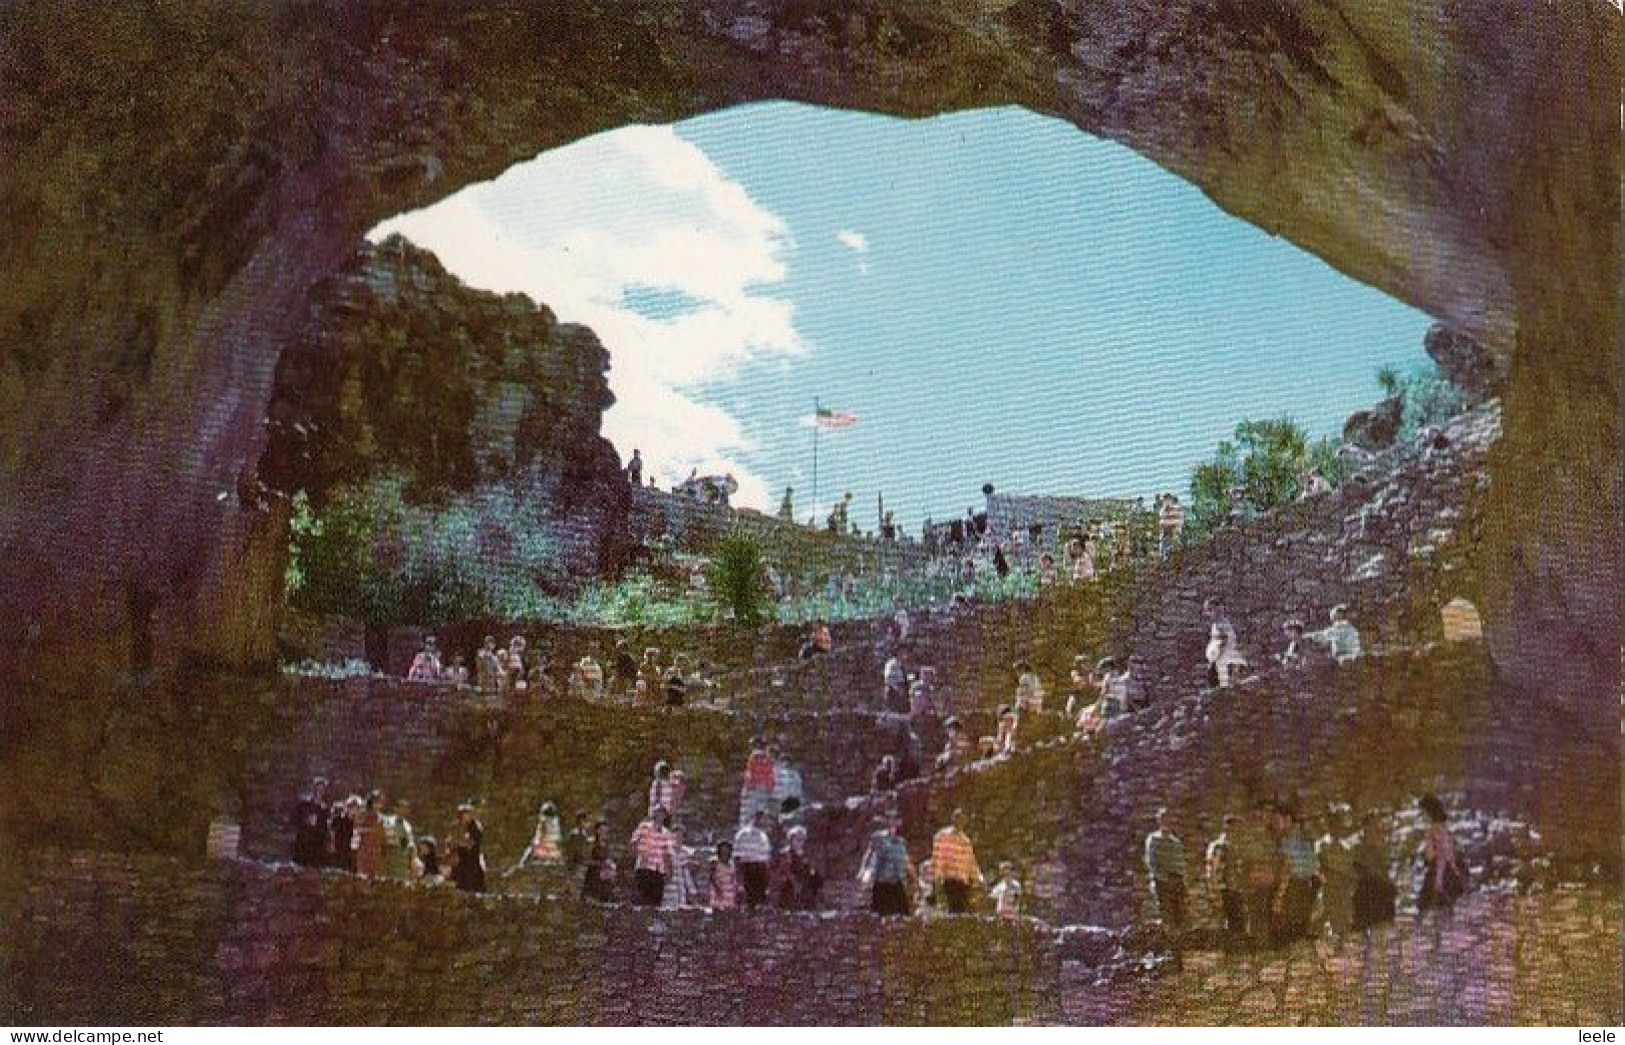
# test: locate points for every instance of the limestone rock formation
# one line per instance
(1377, 428)
(402, 370)
(179, 179)
(1463, 361)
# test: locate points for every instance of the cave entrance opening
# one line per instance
(990, 301)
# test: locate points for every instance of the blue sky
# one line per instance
(997, 295)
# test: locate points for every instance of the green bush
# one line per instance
(737, 576)
(372, 555)
(1264, 461)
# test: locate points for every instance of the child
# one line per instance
(1293, 655)
(1006, 892)
(426, 867)
(546, 845)
(925, 896)
(756, 792)
(1005, 742)
(724, 880)
(1029, 690)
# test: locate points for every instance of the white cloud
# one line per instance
(853, 240)
(636, 209)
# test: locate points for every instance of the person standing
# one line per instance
(1444, 873)
(652, 849)
(312, 840)
(1165, 864)
(1374, 891)
(665, 789)
(596, 883)
(894, 683)
(1334, 855)
(369, 840)
(788, 791)
(887, 871)
(1259, 854)
(634, 469)
(1301, 884)
(954, 867)
(399, 843)
(756, 790)
(468, 872)
(1170, 523)
(624, 669)
(1225, 875)
(800, 880)
(488, 666)
(724, 892)
(1223, 654)
(341, 825)
(753, 856)
(1006, 892)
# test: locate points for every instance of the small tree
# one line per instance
(1263, 461)
(737, 575)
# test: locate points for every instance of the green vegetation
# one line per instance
(738, 579)
(1429, 398)
(1265, 460)
(370, 554)
(1261, 468)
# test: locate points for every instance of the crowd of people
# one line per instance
(516, 670)
(371, 836)
(1280, 875)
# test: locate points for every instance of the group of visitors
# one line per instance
(1226, 663)
(948, 881)
(370, 836)
(518, 670)
(1277, 876)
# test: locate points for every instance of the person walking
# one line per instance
(653, 848)
(886, 869)
(753, 857)
(1444, 872)
(953, 862)
(1165, 864)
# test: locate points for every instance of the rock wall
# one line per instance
(113, 941)
(435, 748)
(1072, 815)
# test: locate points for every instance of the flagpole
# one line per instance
(815, 465)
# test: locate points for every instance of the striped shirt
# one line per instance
(751, 846)
(665, 794)
(724, 887)
(953, 858)
(1172, 516)
(654, 845)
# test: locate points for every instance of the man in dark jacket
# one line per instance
(311, 841)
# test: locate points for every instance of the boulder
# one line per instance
(1463, 361)
(1377, 428)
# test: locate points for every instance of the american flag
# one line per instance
(826, 417)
